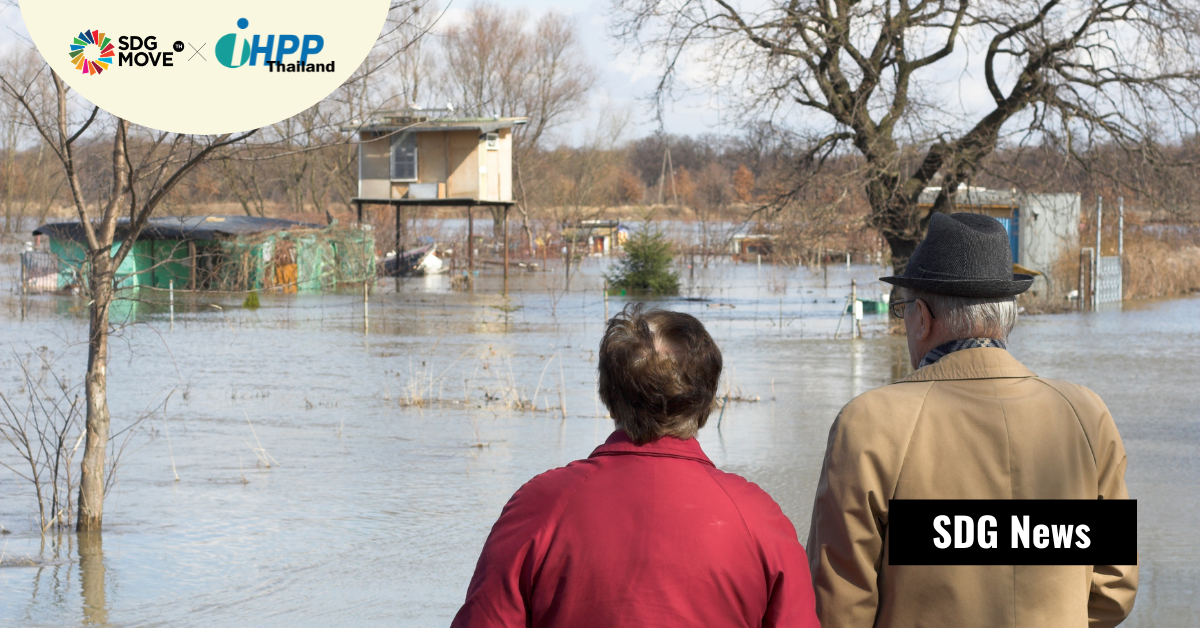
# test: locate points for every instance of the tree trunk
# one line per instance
(895, 215)
(91, 481)
(902, 249)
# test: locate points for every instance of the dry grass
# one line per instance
(491, 373)
(735, 392)
(1160, 268)
(1154, 266)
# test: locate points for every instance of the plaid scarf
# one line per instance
(957, 345)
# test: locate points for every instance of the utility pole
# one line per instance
(1121, 226)
(1096, 259)
(1121, 245)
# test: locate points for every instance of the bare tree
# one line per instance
(1070, 72)
(27, 185)
(558, 79)
(585, 174)
(498, 64)
(308, 161)
(114, 213)
(43, 425)
(415, 68)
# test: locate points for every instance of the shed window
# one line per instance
(404, 157)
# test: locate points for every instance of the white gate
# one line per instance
(1108, 279)
(39, 271)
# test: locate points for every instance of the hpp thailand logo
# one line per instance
(91, 52)
(234, 50)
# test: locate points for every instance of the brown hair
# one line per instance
(658, 373)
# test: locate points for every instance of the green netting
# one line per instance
(298, 260)
(302, 260)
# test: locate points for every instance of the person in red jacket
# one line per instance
(645, 531)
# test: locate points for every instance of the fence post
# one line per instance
(1081, 289)
(855, 330)
(1087, 264)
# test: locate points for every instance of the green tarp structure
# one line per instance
(226, 253)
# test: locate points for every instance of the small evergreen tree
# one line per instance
(646, 267)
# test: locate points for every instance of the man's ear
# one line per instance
(925, 325)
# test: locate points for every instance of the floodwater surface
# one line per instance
(337, 469)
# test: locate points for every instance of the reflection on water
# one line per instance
(91, 578)
(394, 451)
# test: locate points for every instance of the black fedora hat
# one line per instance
(963, 255)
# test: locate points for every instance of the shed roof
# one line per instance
(972, 197)
(180, 227)
(387, 122)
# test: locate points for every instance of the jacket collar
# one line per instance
(979, 363)
(619, 444)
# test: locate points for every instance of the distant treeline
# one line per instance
(757, 174)
(495, 60)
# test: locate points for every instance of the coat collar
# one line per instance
(979, 363)
(619, 444)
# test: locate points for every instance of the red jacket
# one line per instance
(650, 535)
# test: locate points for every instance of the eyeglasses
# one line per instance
(898, 308)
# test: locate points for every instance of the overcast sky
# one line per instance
(623, 82)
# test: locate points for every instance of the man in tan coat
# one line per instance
(970, 423)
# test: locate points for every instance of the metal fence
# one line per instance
(39, 271)
(1108, 279)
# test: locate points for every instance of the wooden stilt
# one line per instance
(399, 250)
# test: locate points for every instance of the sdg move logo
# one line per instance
(272, 52)
(91, 52)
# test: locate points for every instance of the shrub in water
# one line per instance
(646, 267)
(251, 302)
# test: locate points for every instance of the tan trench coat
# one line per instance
(974, 425)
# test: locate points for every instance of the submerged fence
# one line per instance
(39, 271)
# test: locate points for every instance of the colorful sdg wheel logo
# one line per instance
(91, 52)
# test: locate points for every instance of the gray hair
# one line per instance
(967, 317)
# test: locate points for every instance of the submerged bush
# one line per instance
(646, 267)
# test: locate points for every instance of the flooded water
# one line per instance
(394, 442)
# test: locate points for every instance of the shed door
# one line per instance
(1013, 227)
(493, 173)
